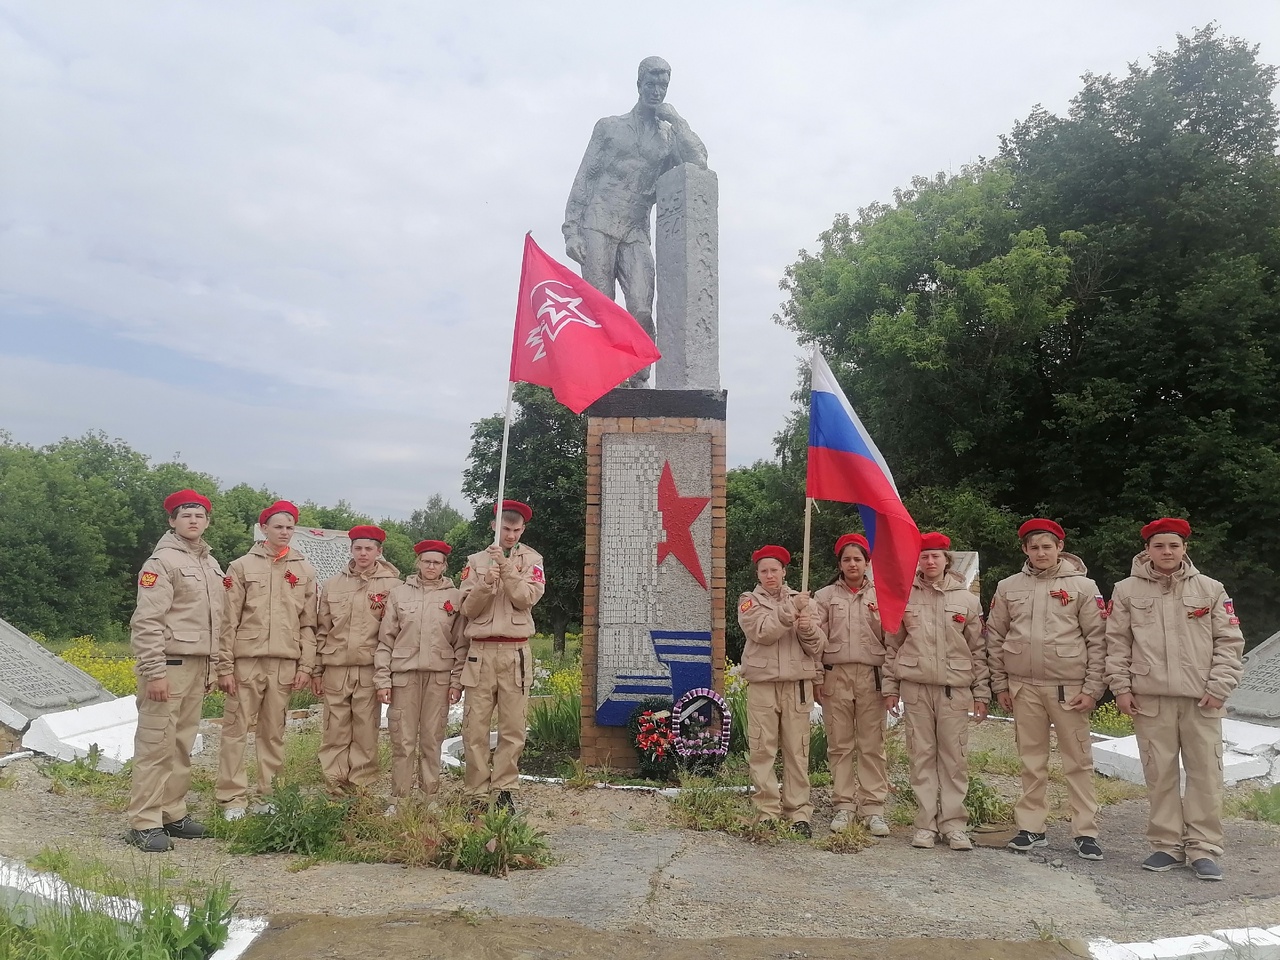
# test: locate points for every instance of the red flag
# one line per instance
(570, 336)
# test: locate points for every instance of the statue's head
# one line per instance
(652, 78)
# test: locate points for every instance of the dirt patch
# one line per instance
(625, 873)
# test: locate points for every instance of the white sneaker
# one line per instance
(260, 808)
(878, 826)
(959, 840)
(923, 839)
(840, 821)
(233, 813)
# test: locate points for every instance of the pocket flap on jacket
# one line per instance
(1142, 603)
(1140, 668)
(909, 661)
(1197, 603)
(959, 663)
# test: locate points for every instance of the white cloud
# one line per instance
(335, 194)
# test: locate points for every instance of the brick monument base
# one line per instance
(653, 615)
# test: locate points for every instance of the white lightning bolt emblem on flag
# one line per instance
(558, 310)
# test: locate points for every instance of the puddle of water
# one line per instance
(466, 936)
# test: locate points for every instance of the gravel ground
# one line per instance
(623, 869)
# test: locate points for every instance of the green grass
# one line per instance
(995, 762)
(1109, 721)
(1261, 804)
(985, 805)
(555, 722)
(357, 829)
(78, 931)
(81, 776)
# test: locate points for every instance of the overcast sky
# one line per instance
(282, 240)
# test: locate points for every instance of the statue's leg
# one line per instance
(598, 265)
(636, 274)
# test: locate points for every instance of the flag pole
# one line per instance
(502, 466)
(808, 527)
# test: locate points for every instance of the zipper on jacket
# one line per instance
(802, 695)
(521, 652)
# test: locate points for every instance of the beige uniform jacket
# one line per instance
(940, 640)
(181, 605)
(776, 649)
(505, 608)
(851, 623)
(351, 608)
(271, 610)
(1048, 627)
(1175, 636)
(422, 630)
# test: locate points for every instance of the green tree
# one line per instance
(434, 521)
(1086, 327)
(546, 468)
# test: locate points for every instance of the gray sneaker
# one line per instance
(1206, 869)
(154, 840)
(877, 826)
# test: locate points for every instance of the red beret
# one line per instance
(183, 497)
(1040, 525)
(1166, 525)
(367, 532)
(433, 546)
(855, 538)
(280, 506)
(935, 541)
(515, 506)
(771, 552)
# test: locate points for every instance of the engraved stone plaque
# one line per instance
(34, 681)
(328, 550)
(1257, 699)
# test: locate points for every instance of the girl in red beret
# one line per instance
(781, 663)
(852, 704)
(937, 665)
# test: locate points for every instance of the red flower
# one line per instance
(290, 576)
(958, 617)
(448, 607)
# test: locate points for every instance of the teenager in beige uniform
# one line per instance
(268, 650)
(852, 704)
(174, 634)
(781, 662)
(421, 650)
(1174, 651)
(937, 665)
(351, 607)
(1047, 648)
(499, 587)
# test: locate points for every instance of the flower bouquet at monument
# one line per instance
(650, 728)
(701, 722)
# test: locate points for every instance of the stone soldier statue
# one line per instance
(606, 221)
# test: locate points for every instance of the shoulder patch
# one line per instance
(1229, 605)
(148, 579)
(538, 574)
(466, 572)
(746, 605)
(1104, 608)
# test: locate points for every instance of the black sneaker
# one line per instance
(153, 840)
(1160, 862)
(504, 802)
(802, 827)
(1206, 869)
(185, 829)
(1026, 840)
(1087, 848)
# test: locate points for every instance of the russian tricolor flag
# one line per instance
(844, 465)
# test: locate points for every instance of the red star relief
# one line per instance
(678, 514)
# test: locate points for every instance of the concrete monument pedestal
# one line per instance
(653, 622)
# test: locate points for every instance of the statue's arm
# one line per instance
(688, 144)
(583, 187)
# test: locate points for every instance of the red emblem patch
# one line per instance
(148, 579)
(538, 575)
(227, 582)
(1229, 605)
(958, 617)
(1104, 608)
(466, 572)
(291, 577)
(746, 605)
(1234, 621)
(448, 607)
